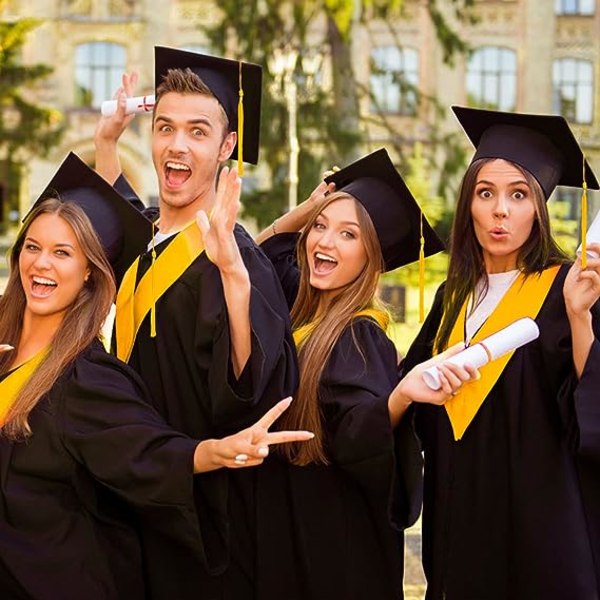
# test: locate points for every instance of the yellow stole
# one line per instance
(524, 298)
(301, 334)
(134, 303)
(13, 383)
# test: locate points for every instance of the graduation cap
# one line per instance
(236, 85)
(543, 145)
(375, 183)
(124, 231)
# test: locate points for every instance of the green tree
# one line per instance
(25, 127)
(330, 128)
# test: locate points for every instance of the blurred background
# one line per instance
(341, 78)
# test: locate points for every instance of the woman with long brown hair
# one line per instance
(511, 462)
(331, 513)
(95, 489)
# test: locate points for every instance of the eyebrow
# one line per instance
(517, 182)
(198, 121)
(324, 216)
(59, 245)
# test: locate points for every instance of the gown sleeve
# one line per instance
(587, 398)
(281, 251)
(110, 430)
(356, 384)
(271, 372)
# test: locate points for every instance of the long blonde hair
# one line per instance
(314, 352)
(80, 325)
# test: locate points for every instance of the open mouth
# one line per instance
(323, 263)
(177, 173)
(42, 287)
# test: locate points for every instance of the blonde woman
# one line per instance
(331, 513)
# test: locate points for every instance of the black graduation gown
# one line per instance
(325, 531)
(187, 369)
(504, 516)
(85, 500)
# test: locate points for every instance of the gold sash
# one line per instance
(382, 319)
(12, 384)
(524, 298)
(134, 303)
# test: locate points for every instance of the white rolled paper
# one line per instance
(593, 235)
(513, 336)
(137, 104)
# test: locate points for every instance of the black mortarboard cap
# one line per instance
(124, 231)
(544, 145)
(375, 183)
(222, 76)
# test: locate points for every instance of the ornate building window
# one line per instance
(98, 69)
(492, 78)
(394, 80)
(573, 81)
(574, 7)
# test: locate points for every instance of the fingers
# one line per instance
(203, 222)
(273, 414)
(283, 437)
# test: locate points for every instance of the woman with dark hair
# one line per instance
(510, 461)
(95, 489)
(331, 513)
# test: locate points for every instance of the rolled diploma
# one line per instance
(510, 338)
(137, 104)
(593, 235)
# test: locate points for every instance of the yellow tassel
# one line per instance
(153, 309)
(421, 272)
(584, 219)
(240, 132)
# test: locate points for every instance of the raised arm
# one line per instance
(223, 251)
(296, 219)
(109, 130)
(581, 291)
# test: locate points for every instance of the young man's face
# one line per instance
(189, 141)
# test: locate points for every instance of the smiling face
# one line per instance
(52, 267)
(335, 248)
(189, 141)
(503, 213)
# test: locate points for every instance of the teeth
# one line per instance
(325, 257)
(44, 281)
(177, 166)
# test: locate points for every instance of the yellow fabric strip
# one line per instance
(12, 384)
(523, 299)
(380, 317)
(133, 304)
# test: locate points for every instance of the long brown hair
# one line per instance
(80, 325)
(466, 266)
(313, 354)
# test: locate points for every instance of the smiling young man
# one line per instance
(181, 320)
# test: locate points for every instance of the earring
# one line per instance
(85, 279)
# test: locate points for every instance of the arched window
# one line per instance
(394, 80)
(573, 81)
(98, 69)
(492, 78)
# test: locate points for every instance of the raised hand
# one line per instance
(217, 230)
(581, 288)
(109, 129)
(249, 447)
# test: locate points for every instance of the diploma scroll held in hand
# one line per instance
(593, 235)
(510, 338)
(138, 104)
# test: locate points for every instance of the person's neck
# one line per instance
(174, 219)
(37, 334)
(500, 265)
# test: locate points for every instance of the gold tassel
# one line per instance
(240, 131)
(153, 309)
(421, 271)
(584, 219)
